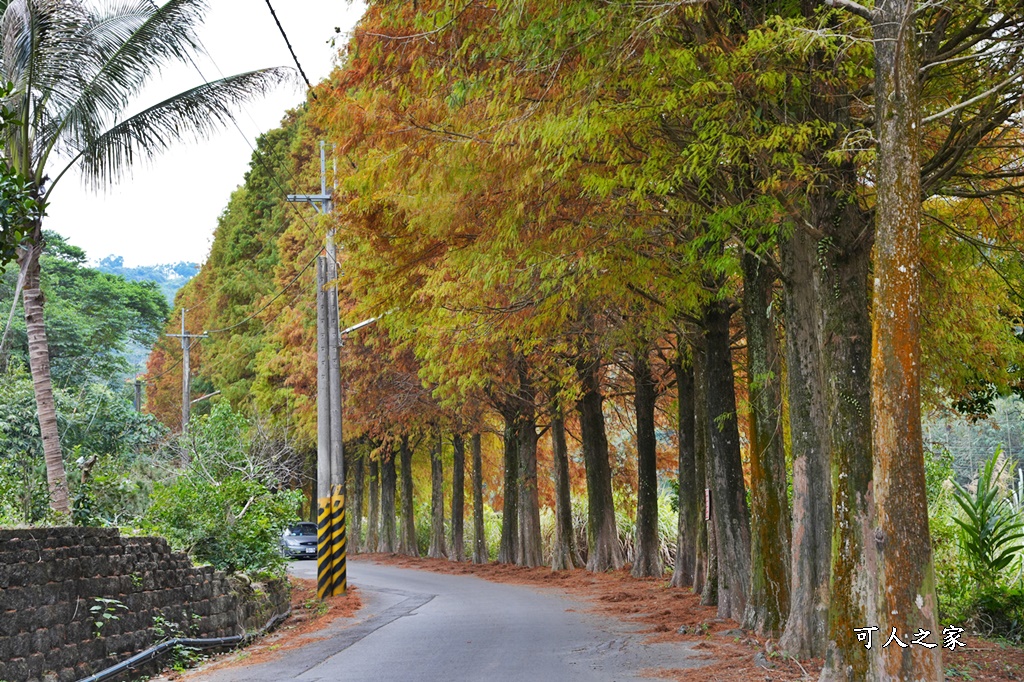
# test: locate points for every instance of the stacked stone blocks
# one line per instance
(51, 578)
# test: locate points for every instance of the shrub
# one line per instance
(226, 506)
(991, 528)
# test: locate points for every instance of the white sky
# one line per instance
(166, 211)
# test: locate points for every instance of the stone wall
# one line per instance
(52, 581)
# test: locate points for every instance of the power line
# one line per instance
(267, 305)
(256, 154)
(289, 44)
(168, 370)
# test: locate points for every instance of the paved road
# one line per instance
(417, 626)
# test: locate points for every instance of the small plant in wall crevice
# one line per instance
(103, 611)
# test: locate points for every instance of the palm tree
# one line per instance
(75, 69)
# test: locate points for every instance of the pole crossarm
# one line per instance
(320, 201)
(186, 371)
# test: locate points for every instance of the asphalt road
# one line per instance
(419, 626)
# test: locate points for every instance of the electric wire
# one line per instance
(166, 371)
(289, 44)
(256, 153)
(272, 174)
(267, 304)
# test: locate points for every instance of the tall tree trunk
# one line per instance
(728, 494)
(705, 571)
(647, 561)
(388, 481)
(436, 549)
(812, 485)
(458, 552)
(530, 551)
(373, 539)
(480, 553)
(906, 579)
(564, 554)
(407, 533)
(358, 478)
(39, 364)
(844, 260)
(604, 552)
(508, 550)
(688, 520)
(709, 592)
(768, 605)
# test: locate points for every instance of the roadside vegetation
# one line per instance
(658, 285)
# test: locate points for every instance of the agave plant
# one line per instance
(992, 529)
(73, 70)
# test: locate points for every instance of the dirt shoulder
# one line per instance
(309, 617)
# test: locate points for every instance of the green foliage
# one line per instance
(102, 432)
(19, 207)
(991, 529)
(93, 320)
(625, 517)
(226, 506)
(182, 657)
(975, 539)
(103, 611)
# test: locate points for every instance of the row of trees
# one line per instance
(732, 217)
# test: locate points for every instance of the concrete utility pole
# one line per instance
(331, 544)
(138, 395)
(186, 371)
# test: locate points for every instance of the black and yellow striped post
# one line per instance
(324, 534)
(339, 544)
(331, 549)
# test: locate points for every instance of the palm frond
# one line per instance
(39, 39)
(194, 113)
(119, 49)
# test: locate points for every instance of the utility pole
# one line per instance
(138, 394)
(186, 371)
(331, 540)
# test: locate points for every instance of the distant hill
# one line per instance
(169, 277)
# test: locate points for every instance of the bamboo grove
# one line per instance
(739, 231)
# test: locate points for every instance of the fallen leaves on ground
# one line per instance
(676, 615)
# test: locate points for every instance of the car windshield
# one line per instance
(302, 529)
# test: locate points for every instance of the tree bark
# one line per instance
(358, 469)
(436, 549)
(373, 537)
(480, 553)
(604, 552)
(812, 485)
(844, 257)
(707, 565)
(564, 553)
(768, 605)
(388, 481)
(647, 560)
(458, 552)
(508, 549)
(39, 364)
(688, 521)
(530, 551)
(407, 534)
(705, 569)
(905, 588)
(728, 494)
